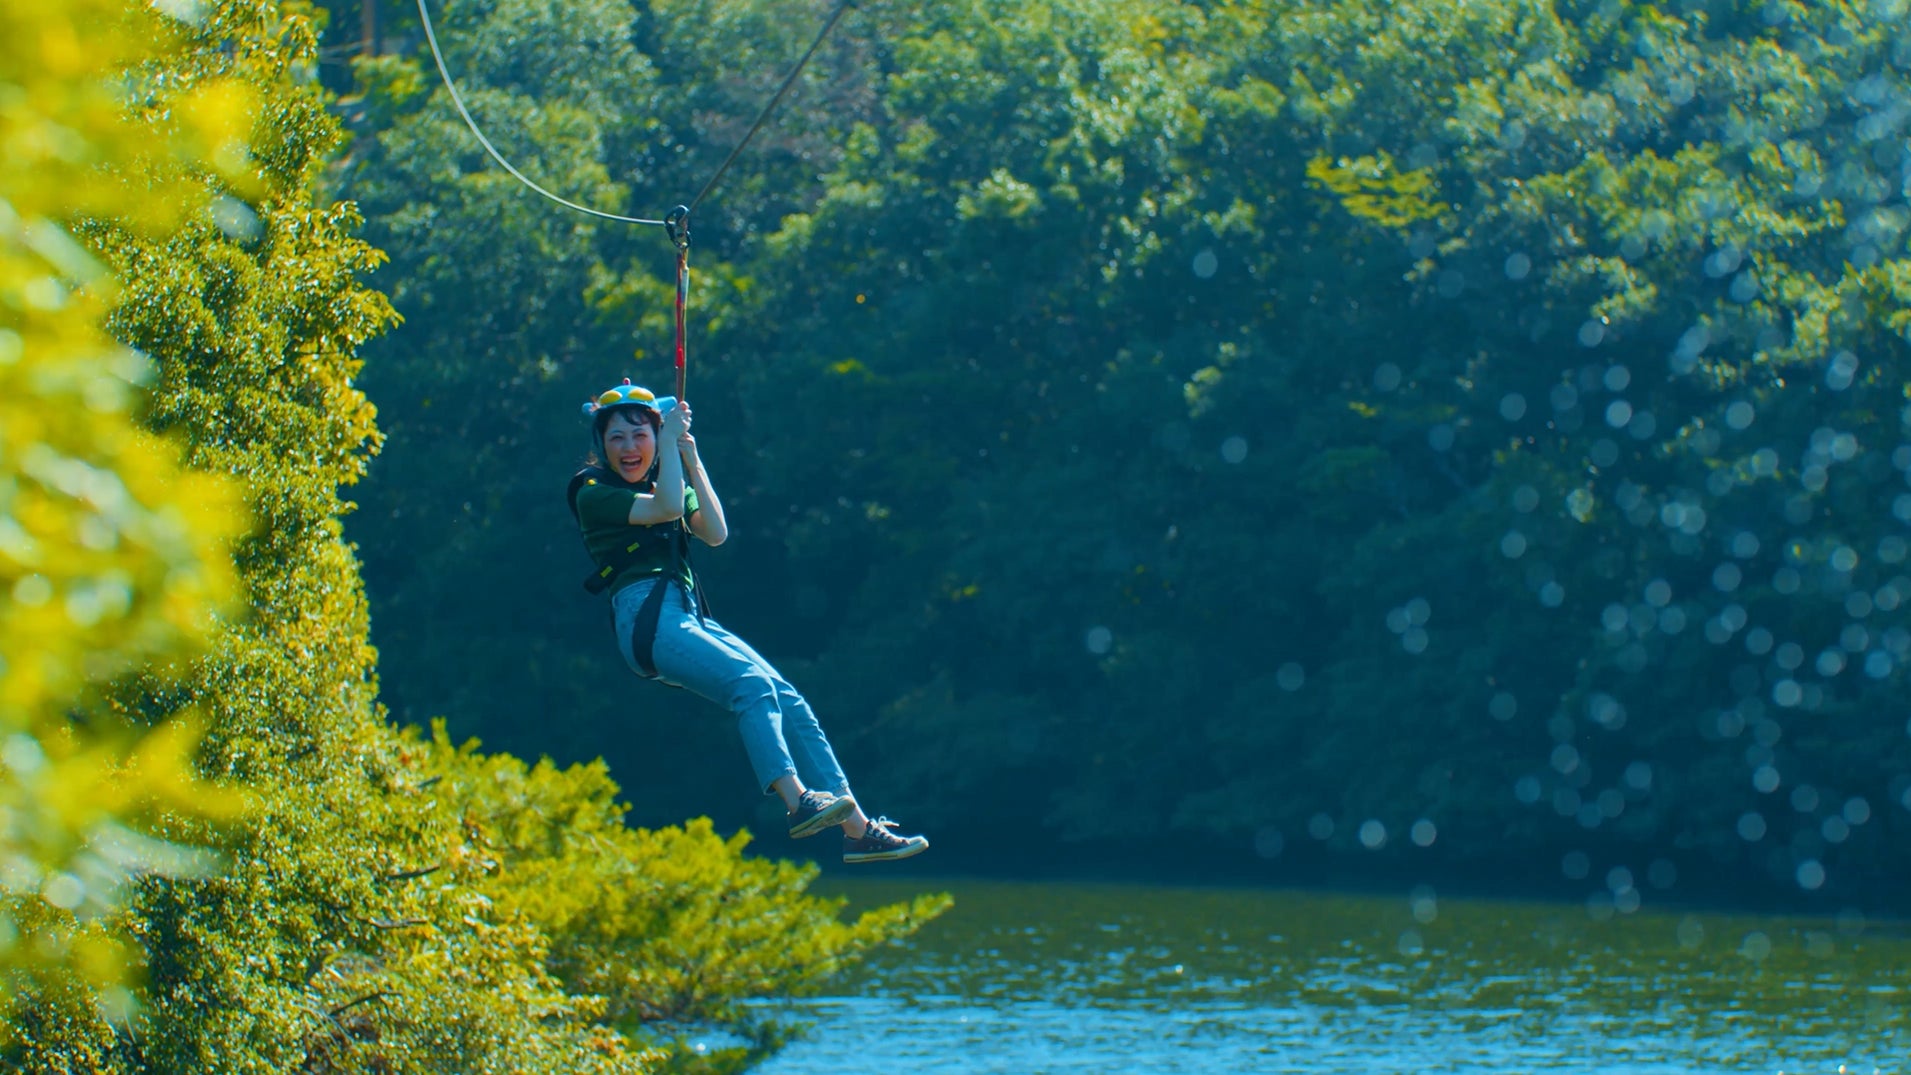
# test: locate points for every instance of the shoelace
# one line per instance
(884, 824)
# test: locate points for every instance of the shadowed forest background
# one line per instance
(1299, 439)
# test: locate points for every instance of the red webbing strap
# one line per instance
(683, 295)
(677, 225)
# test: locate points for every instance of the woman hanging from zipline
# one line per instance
(637, 509)
(644, 493)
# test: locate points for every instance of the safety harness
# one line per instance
(643, 632)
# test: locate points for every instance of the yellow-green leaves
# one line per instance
(1001, 195)
(113, 553)
(1375, 189)
(667, 926)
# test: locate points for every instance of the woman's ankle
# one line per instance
(789, 789)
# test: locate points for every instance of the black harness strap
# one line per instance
(643, 630)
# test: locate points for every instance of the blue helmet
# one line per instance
(629, 395)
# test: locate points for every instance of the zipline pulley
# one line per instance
(677, 226)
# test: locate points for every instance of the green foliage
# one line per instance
(1373, 189)
(1231, 419)
(361, 916)
(672, 927)
(112, 550)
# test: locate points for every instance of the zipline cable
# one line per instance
(444, 73)
(682, 212)
(677, 223)
(845, 5)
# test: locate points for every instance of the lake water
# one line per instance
(1038, 978)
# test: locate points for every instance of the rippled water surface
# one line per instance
(1033, 978)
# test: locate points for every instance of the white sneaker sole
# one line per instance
(834, 814)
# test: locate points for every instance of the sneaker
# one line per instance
(878, 843)
(818, 810)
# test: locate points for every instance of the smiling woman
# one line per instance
(637, 511)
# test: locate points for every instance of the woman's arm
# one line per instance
(707, 522)
(665, 500)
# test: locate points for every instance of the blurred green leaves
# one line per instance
(114, 553)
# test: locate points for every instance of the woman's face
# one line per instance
(629, 444)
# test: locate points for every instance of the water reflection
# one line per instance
(1083, 977)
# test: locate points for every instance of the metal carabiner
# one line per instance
(677, 226)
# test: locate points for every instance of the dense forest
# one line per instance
(1317, 438)
(217, 853)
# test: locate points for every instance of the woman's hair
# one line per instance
(600, 422)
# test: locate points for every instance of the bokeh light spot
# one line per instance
(1857, 810)
(1691, 933)
(1373, 835)
(63, 890)
(1291, 677)
(1638, 776)
(1424, 903)
(1269, 843)
(1811, 875)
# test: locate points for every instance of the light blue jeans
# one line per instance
(780, 733)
